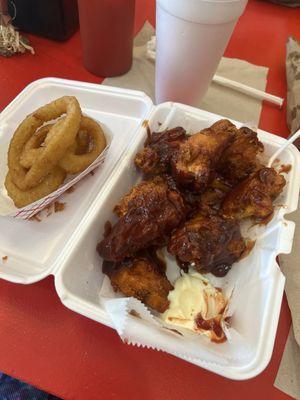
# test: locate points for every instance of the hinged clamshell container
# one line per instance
(64, 245)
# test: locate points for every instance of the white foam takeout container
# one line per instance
(64, 244)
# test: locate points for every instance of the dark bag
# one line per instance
(287, 3)
(54, 19)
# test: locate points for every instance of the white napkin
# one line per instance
(218, 99)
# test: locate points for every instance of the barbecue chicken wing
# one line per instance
(141, 278)
(254, 196)
(210, 201)
(148, 214)
(208, 243)
(159, 148)
(194, 164)
(223, 125)
(240, 158)
(141, 195)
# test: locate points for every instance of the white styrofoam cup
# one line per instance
(191, 37)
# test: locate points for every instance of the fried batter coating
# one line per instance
(141, 278)
(210, 201)
(253, 198)
(194, 165)
(240, 158)
(160, 147)
(148, 216)
(140, 195)
(223, 125)
(210, 244)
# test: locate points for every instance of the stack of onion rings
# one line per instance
(40, 156)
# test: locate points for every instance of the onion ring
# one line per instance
(33, 147)
(82, 142)
(55, 147)
(73, 163)
(78, 157)
(49, 184)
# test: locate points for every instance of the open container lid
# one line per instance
(36, 249)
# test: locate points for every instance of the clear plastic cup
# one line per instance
(191, 37)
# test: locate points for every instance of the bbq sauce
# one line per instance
(212, 325)
(285, 168)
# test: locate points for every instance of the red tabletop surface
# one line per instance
(53, 348)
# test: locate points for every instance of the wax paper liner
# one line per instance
(138, 326)
(34, 208)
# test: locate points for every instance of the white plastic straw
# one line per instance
(240, 87)
(283, 147)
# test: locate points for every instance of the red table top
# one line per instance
(45, 344)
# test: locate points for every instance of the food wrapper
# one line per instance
(11, 42)
(288, 377)
(7, 207)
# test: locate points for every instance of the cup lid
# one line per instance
(204, 11)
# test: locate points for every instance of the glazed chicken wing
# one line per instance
(210, 201)
(141, 278)
(223, 125)
(240, 158)
(254, 196)
(209, 244)
(193, 167)
(147, 217)
(159, 148)
(141, 195)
